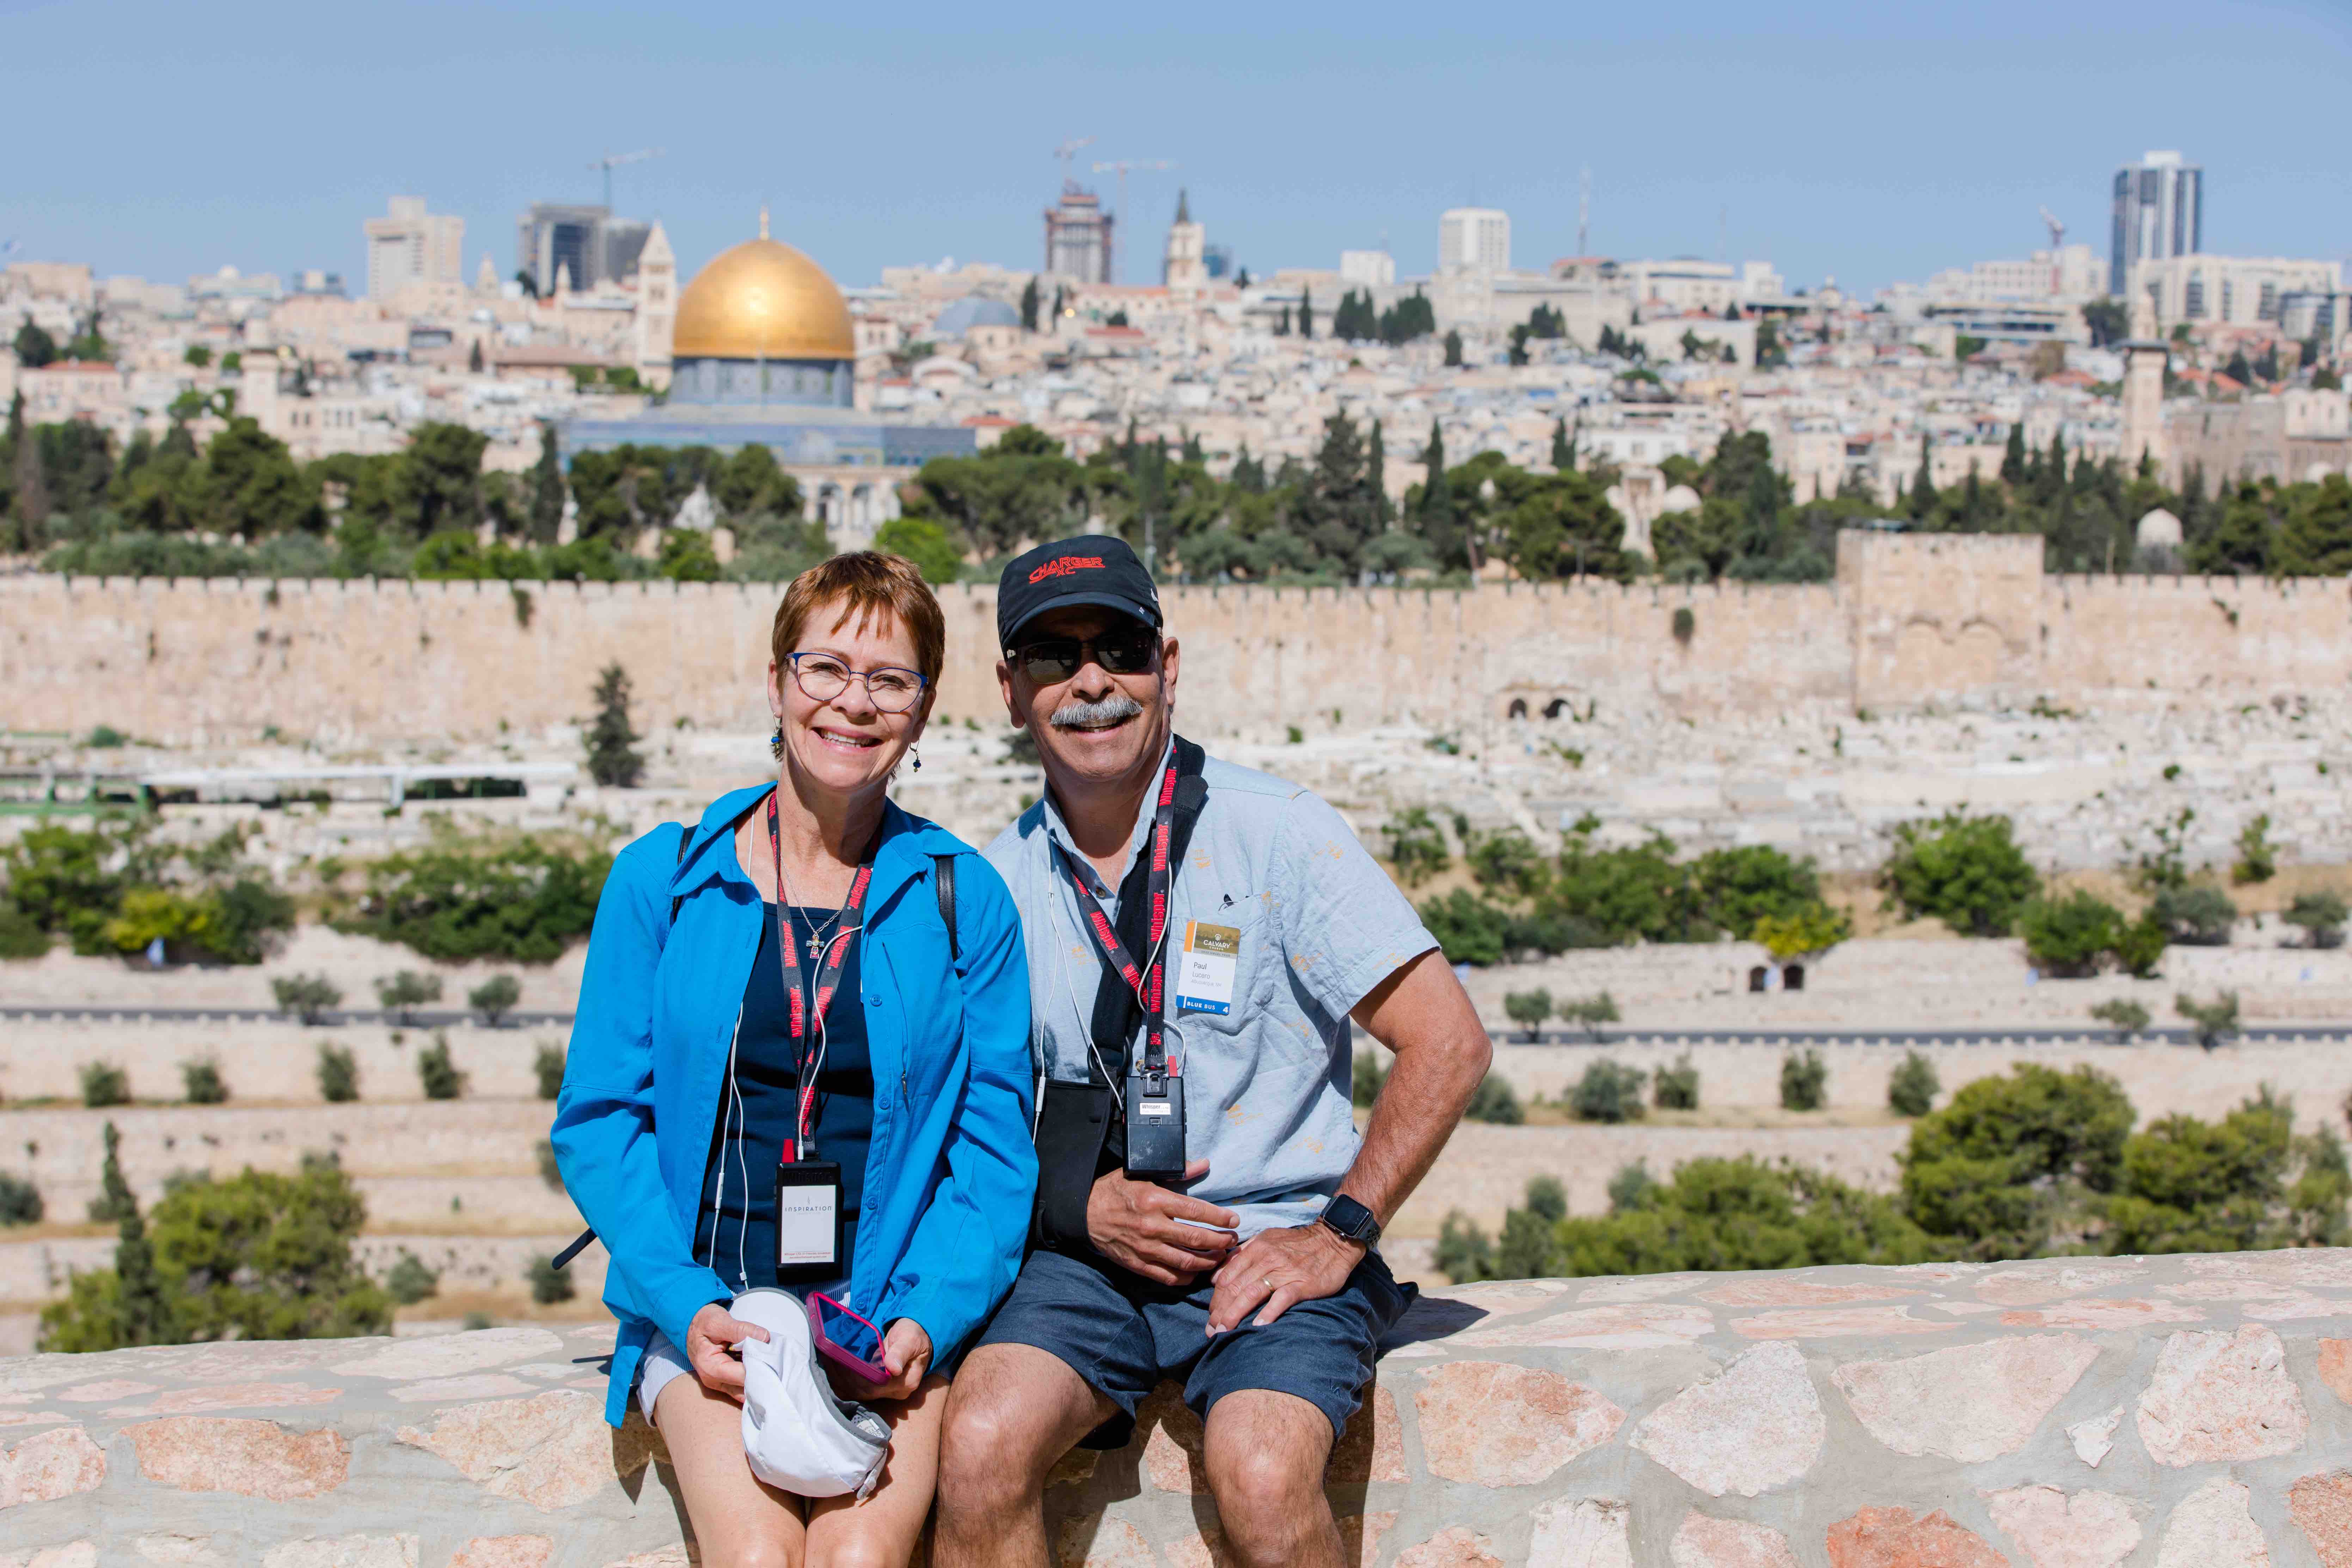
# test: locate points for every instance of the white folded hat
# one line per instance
(799, 1435)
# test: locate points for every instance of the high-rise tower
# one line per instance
(1185, 268)
(2159, 212)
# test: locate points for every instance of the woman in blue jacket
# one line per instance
(774, 1006)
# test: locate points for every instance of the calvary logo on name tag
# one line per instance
(1205, 975)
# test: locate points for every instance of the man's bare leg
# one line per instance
(1266, 1455)
(1013, 1411)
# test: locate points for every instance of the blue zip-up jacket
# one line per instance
(951, 1173)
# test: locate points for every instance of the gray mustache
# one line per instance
(1110, 710)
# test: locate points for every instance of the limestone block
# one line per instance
(231, 1396)
(1360, 1536)
(1456, 1547)
(1772, 1290)
(1173, 1460)
(2213, 1527)
(504, 1551)
(2088, 1529)
(1834, 1323)
(105, 1388)
(2055, 1279)
(1094, 1542)
(445, 1355)
(1372, 1448)
(1607, 1328)
(78, 1554)
(468, 1386)
(2095, 1439)
(1705, 1542)
(1503, 1426)
(360, 1551)
(1970, 1403)
(551, 1451)
(50, 1466)
(1756, 1426)
(258, 1458)
(1892, 1538)
(1581, 1533)
(2220, 1396)
(173, 1546)
(2321, 1507)
(2336, 1367)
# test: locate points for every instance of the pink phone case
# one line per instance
(849, 1361)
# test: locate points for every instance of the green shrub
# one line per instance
(436, 1072)
(1911, 1087)
(2126, 1016)
(1589, 1012)
(1416, 846)
(1676, 1088)
(1966, 871)
(494, 998)
(1609, 1091)
(1508, 864)
(410, 1281)
(549, 1284)
(20, 1201)
(200, 1078)
(2194, 917)
(2244, 1182)
(1468, 929)
(402, 994)
(1816, 928)
(67, 880)
(339, 1074)
(2214, 1022)
(547, 1063)
(2257, 857)
(1634, 893)
(1493, 1102)
(523, 902)
(1630, 1186)
(21, 935)
(104, 1083)
(2140, 948)
(1547, 1198)
(2321, 915)
(1464, 1253)
(309, 997)
(2010, 1162)
(1529, 1009)
(1804, 1081)
(1734, 890)
(613, 761)
(2069, 938)
(1720, 1214)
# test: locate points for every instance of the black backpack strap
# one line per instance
(943, 880)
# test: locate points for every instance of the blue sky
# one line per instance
(1867, 142)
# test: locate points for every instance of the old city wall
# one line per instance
(1910, 620)
(2078, 1410)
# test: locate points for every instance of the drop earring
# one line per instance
(776, 743)
(917, 757)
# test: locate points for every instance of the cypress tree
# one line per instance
(1563, 452)
(1923, 486)
(546, 489)
(1282, 328)
(1029, 302)
(1453, 347)
(1306, 312)
(613, 761)
(1376, 466)
(2012, 457)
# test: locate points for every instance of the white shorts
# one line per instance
(663, 1361)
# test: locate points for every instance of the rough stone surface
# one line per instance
(2088, 1529)
(1373, 1446)
(73, 1554)
(1094, 1542)
(361, 1550)
(551, 1451)
(504, 1551)
(2220, 1397)
(1892, 1538)
(2321, 1507)
(2094, 1440)
(1970, 1403)
(232, 1396)
(1173, 1457)
(1505, 1426)
(2213, 1527)
(1581, 1533)
(179, 1547)
(1757, 1427)
(1705, 1542)
(259, 1458)
(1360, 1536)
(1836, 1322)
(1608, 1328)
(1456, 1547)
(2336, 1367)
(50, 1466)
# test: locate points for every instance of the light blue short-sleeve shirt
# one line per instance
(1266, 1083)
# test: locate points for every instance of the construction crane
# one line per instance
(1122, 166)
(2057, 241)
(1069, 149)
(2057, 229)
(612, 161)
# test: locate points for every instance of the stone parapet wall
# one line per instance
(2190, 1412)
(1911, 619)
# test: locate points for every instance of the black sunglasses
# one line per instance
(1048, 661)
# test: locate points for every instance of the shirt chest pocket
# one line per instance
(1221, 969)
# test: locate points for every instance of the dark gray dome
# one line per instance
(971, 311)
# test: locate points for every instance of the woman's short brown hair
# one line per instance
(863, 584)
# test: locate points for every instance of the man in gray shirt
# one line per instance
(1199, 937)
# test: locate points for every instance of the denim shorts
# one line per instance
(1122, 1334)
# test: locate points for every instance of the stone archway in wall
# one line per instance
(1930, 663)
(1519, 709)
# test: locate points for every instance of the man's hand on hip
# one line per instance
(1163, 1235)
(1277, 1269)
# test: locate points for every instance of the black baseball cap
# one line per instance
(1092, 568)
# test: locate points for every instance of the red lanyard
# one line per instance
(807, 1013)
(1149, 988)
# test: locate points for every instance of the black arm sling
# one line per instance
(1079, 1138)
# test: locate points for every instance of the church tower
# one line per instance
(1185, 268)
(2145, 357)
(657, 309)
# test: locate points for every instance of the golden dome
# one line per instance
(763, 300)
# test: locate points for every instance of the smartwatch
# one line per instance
(1351, 1220)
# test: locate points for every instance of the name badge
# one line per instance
(808, 1215)
(1204, 976)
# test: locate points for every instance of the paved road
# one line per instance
(433, 1019)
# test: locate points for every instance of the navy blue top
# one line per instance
(752, 1141)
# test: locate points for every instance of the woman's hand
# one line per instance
(710, 1340)
(907, 1354)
